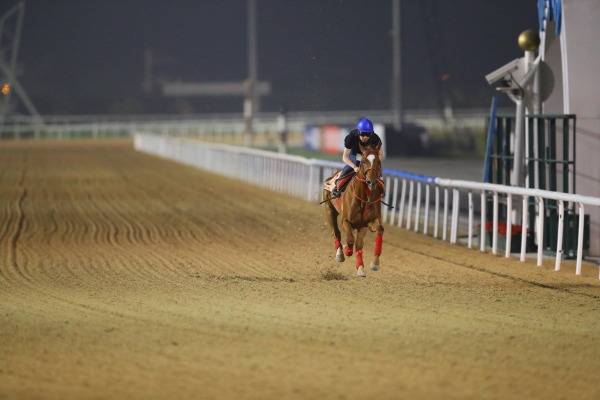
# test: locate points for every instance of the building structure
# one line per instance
(569, 32)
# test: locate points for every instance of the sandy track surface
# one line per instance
(124, 276)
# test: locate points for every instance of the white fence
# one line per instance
(409, 194)
(218, 127)
(224, 126)
(293, 175)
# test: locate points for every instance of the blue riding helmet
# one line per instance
(364, 125)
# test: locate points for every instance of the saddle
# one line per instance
(329, 184)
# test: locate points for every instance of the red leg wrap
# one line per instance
(348, 251)
(337, 243)
(359, 260)
(378, 243)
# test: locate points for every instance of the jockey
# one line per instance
(364, 135)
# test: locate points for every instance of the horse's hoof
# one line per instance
(374, 267)
(339, 255)
(361, 271)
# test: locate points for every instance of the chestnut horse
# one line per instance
(360, 208)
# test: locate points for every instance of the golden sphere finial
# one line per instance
(529, 40)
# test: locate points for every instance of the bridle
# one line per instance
(362, 164)
(362, 171)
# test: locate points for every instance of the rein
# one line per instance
(367, 202)
(363, 180)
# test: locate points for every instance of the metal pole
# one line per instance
(495, 224)
(540, 230)
(518, 178)
(482, 232)
(252, 54)
(524, 223)
(426, 223)
(17, 38)
(396, 65)
(518, 171)
(402, 197)
(507, 246)
(455, 209)
(250, 104)
(418, 209)
(580, 239)
(445, 222)
(470, 240)
(394, 201)
(559, 240)
(410, 201)
(437, 211)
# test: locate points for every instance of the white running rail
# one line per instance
(293, 175)
(409, 194)
(485, 190)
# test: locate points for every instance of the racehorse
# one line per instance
(360, 209)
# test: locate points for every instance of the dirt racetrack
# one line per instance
(124, 276)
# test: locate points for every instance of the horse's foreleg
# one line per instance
(339, 253)
(378, 245)
(349, 236)
(339, 250)
(332, 218)
(360, 265)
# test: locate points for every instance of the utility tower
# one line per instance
(11, 24)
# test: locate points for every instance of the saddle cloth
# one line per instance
(329, 184)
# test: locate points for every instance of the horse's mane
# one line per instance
(370, 147)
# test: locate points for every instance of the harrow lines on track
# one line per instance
(120, 227)
(120, 254)
(196, 232)
(8, 227)
(87, 233)
(16, 222)
(138, 211)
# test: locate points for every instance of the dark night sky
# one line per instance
(86, 56)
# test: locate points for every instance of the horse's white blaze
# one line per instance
(371, 158)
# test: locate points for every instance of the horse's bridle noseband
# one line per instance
(362, 162)
(368, 201)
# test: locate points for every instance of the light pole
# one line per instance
(396, 66)
(518, 80)
(250, 100)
